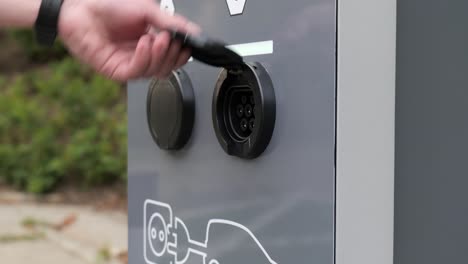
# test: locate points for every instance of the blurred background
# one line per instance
(63, 156)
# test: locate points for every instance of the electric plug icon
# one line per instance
(168, 241)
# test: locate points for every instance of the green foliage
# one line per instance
(36, 53)
(61, 123)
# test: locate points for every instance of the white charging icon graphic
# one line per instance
(158, 236)
(166, 239)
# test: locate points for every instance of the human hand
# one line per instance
(120, 39)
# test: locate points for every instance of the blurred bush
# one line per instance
(34, 52)
(60, 122)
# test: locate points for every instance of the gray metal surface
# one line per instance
(431, 208)
(285, 198)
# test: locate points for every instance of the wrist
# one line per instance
(32, 10)
(18, 13)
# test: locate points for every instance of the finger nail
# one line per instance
(193, 28)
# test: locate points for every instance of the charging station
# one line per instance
(287, 157)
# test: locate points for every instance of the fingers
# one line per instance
(184, 56)
(162, 20)
(158, 52)
(138, 64)
(166, 56)
(153, 57)
(192, 28)
(171, 59)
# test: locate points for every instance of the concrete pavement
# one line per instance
(59, 233)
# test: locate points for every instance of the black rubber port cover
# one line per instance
(209, 51)
(171, 110)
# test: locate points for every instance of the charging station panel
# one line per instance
(200, 204)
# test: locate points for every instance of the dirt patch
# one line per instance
(110, 198)
(104, 198)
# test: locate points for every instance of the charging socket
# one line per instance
(244, 110)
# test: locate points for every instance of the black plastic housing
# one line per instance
(250, 80)
(171, 110)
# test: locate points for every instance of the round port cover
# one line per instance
(171, 110)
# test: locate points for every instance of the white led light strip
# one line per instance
(253, 48)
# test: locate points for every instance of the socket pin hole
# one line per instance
(239, 115)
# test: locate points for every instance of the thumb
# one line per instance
(163, 21)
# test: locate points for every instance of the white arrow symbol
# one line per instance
(236, 7)
(168, 6)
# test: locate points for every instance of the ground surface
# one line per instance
(67, 227)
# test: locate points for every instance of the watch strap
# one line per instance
(46, 25)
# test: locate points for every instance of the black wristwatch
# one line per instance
(46, 25)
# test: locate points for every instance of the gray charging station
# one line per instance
(287, 158)
(431, 208)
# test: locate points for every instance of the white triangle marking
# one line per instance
(168, 6)
(236, 7)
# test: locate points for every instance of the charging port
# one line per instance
(244, 110)
(239, 112)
